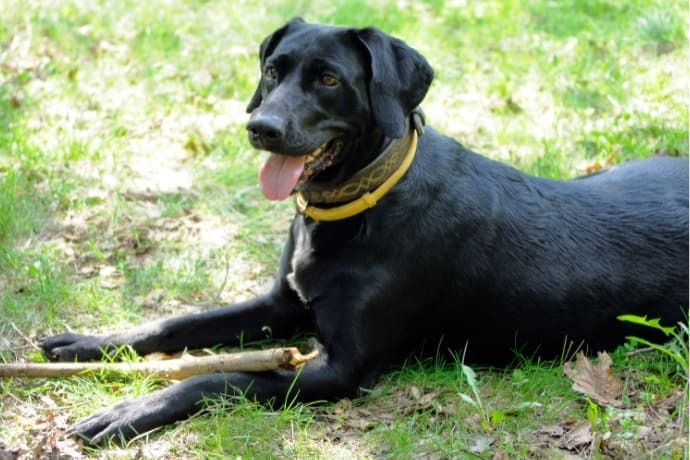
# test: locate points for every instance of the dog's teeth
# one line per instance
(319, 159)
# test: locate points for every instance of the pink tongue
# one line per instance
(278, 176)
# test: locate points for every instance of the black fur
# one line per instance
(463, 251)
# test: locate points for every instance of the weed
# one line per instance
(677, 348)
(490, 419)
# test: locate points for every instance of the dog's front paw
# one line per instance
(72, 347)
(123, 421)
(117, 423)
(111, 424)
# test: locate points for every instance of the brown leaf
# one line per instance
(151, 300)
(110, 277)
(555, 431)
(547, 435)
(596, 381)
(16, 101)
(500, 455)
(578, 437)
(597, 165)
(415, 400)
(669, 404)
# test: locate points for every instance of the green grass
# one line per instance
(128, 193)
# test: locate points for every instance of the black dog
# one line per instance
(403, 240)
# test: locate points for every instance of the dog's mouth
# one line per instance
(281, 175)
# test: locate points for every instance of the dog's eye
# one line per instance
(328, 80)
(271, 72)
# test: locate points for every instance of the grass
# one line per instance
(128, 192)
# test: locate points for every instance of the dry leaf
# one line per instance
(596, 381)
(481, 444)
(151, 300)
(556, 431)
(110, 277)
(415, 400)
(598, 166)
(578, 437)
(500, 455)
(415, 392)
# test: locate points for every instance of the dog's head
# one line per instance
(327, 98)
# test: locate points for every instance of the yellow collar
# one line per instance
(364, 202)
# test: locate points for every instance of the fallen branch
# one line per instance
(638, 351)
(171, 369)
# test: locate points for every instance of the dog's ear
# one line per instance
(400, 78)
(267, 46)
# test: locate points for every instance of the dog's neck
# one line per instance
(363, 189)
(372, 175)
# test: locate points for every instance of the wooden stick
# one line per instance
(171, 369)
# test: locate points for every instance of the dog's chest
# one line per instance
(317, 248)
(300, 261)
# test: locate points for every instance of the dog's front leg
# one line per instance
(279, 311)
(320, 379)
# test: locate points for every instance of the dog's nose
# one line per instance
(266, 129)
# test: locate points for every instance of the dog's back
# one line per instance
(537, 260)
